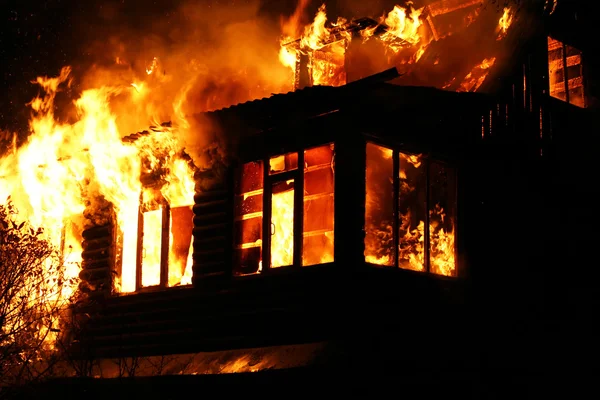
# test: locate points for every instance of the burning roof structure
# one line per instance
(445, 44)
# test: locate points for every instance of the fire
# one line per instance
(442, 252)
(422, 43)
(403, 26)
(152, 67)
(505, 22)
(477, 76)
(323, 45)
(56, 177)
(412, 202)
(282, 226)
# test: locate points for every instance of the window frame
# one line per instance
(298, 175)
(164, 247)
(427, 159)
(565, 68)
(164, 251)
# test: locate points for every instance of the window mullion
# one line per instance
(427, 215)
(565, 73)
(299, 210)
(164, 250)
(266, 236)
(396, 205)
(140, 247)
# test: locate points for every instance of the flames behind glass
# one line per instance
(317, 177)
(425, 197)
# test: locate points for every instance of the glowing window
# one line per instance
(296, 194)
(165, 245)
(566, 83)
(410, 212)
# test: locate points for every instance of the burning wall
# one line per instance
(75, 172)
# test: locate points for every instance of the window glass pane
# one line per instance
(379, 209)
(128, 240)
(282, 224)
(248, 217)
(317, 245)
(575, 76)
(180, 246)
(283, 163)
(556, 71)
(151, 246)
(442, 217)
(412, 212)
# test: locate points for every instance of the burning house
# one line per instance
(359, 219)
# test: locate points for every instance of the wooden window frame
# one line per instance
(270, 179)
(427, 160)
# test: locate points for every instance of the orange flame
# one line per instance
(505, 22)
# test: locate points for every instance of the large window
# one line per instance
(410, 212)
(295, 192)
(565, 73)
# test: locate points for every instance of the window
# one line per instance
(155, 230)
(165, 239)
(565, 83)
(298, 202)
(410, 212)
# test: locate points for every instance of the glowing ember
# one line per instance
(476, 77)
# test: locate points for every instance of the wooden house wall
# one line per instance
(341, 301)
(512, 154)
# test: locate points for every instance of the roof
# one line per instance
(369, 93)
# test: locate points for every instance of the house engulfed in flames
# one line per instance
(356, 207)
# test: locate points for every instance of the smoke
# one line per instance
(192, 56)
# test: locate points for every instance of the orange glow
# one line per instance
(323, 45)
(248, 219)
(151, 247)
(282, 224)
(412, 210)
(505, 22)
(379, 215)
(413, 204)
(442, 249)
(403, 28)
(318, 225)
(572, 90)
(405, 38)
(477, 76)
(180, 246)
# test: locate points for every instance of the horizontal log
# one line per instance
(96, 274)
(211, 207)
(204, 197)
(95, 254)
(203, 243)
(99, 243)
(91, 264)
(215, 216)
(214, 256)
(210, 230)
(97, 232)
